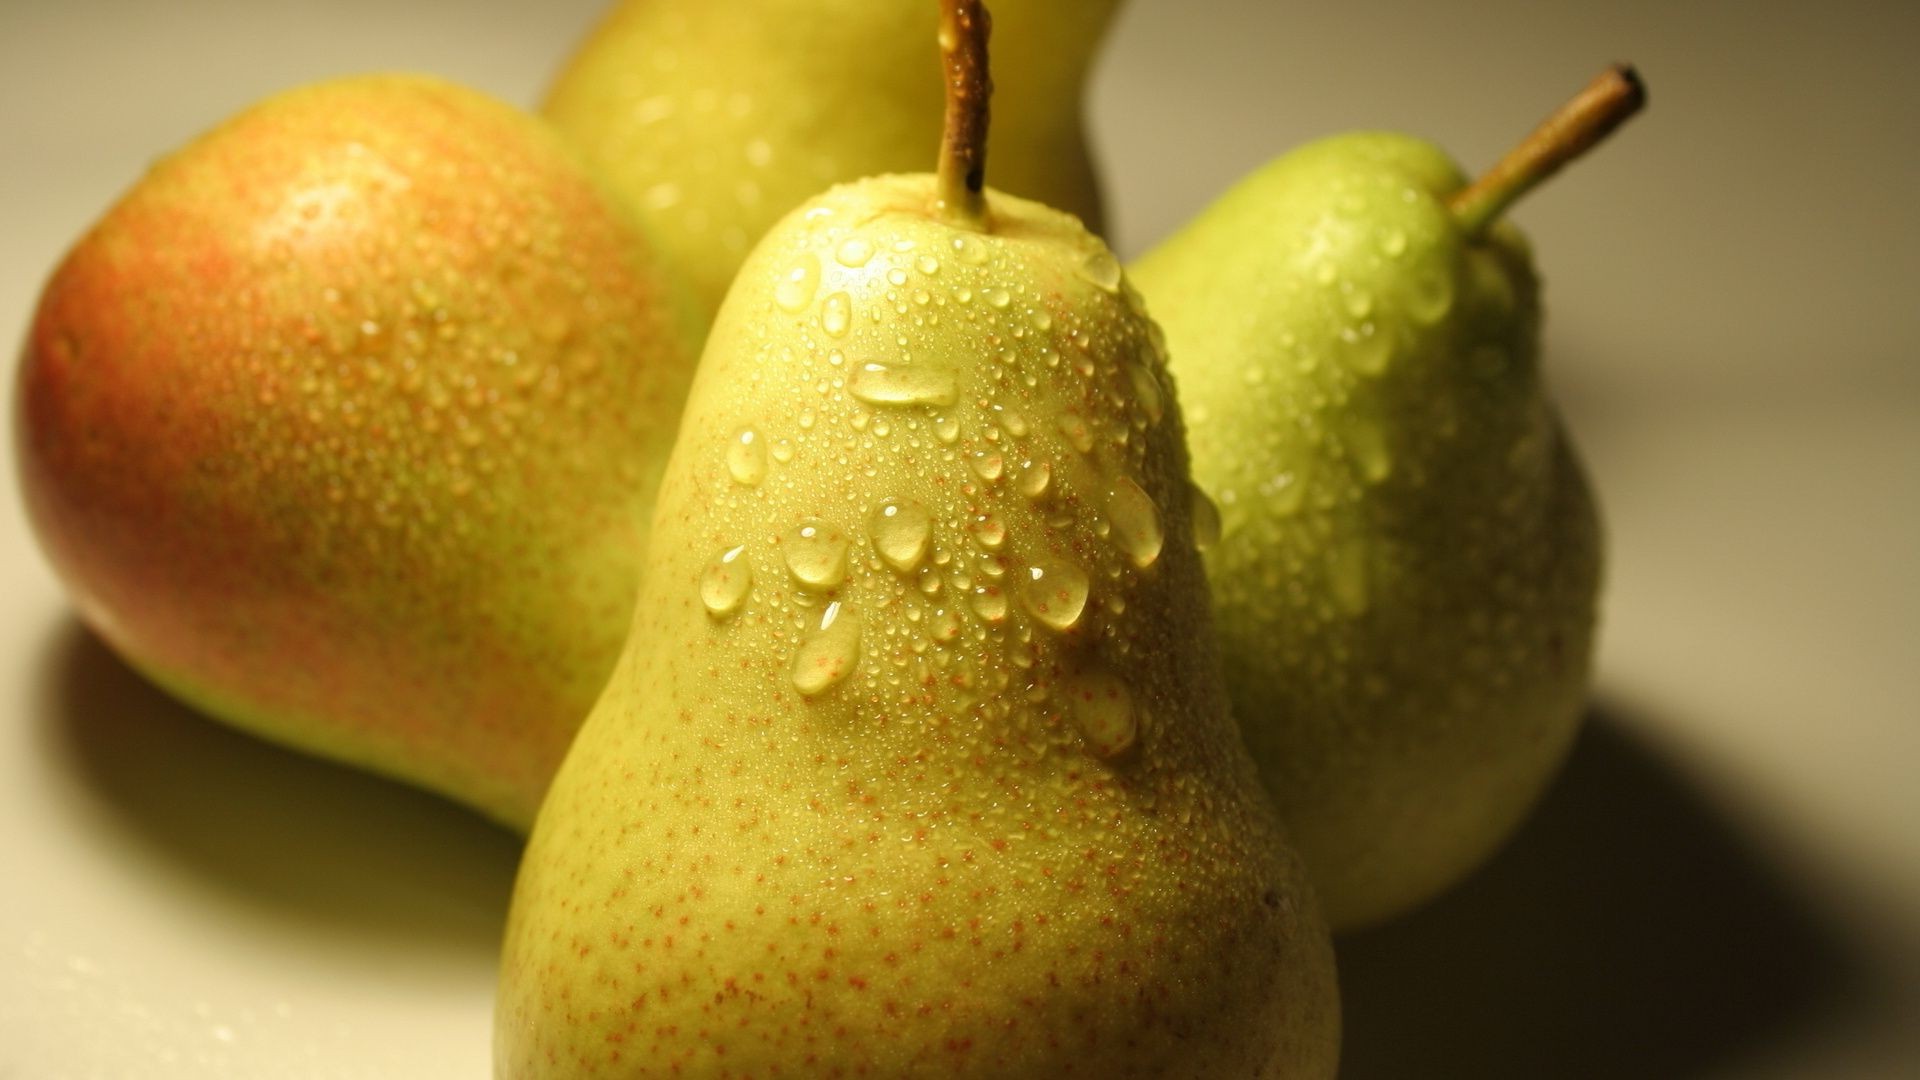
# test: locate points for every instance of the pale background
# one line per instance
(1726, 881)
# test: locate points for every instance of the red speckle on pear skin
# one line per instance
(343, 423)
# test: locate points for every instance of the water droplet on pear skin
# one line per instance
(1101, 707)
(1206, 519)
(1055, 593)
(747, 457)
(725, 583)
(854, 254)
(816, 555)
(901, 384)
(1136, 522)
(830, 654)
(1101, 269)
(901, 529)
(795, 290)
(836, 314)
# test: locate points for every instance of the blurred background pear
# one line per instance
(716, 117)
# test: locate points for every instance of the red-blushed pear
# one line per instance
(918, 763)
(343, 425)
(1408, 568)
(716, 117)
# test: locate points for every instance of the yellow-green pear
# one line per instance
(716, 117)
(918, 763)
(343, 424)
(1407, 571)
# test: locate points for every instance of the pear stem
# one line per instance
(964, 29)
(1572, 130)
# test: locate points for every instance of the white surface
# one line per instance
(1725, 883)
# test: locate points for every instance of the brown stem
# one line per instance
(1571, 131)
(964, 28)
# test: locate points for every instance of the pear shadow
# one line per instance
(1626, 930)
(290, 836)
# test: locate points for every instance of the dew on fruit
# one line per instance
(990, 603)
(725, 582)
(747, 457)
(1366, 348)
(998, 297)
(817, 555)
(854, 253)
(901, 529)
(1136, 522)
(1101, 708)
(836, 313)
(1036, 480)
(971, 250)
(1146, 389)
(830, 654)
(989, 531)
(927, 265)
(988, 466)
(795, 290)
(1079, 434)
(1101, 269)
(900, 384)
(1055, 593)
(1428, 297)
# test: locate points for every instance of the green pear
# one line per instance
(1409, 558)
(343, 424)
(716, 117)
(918, 762)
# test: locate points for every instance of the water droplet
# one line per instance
(795, 290)
(990, 603)
(725, 583)
(1056, 594)
(836, 313)
(830, 655)
(817, 555)
(989, 531)
(1102, 708)
(854, 254)
(897, 384)
(1206, 519)
(1366, 348)
(1077, 431)
(902, 530)
(1042, 319)
(989, 466)
(1136, 522)
(1015, 423)
(1429, 296)
(971, 250)
(1035, 482)
(999, 298)
(1146, 389)
(927, 265)
(1102, 269)
(947, 429)
(747, 458)
(945, 626)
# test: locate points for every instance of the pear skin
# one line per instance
(918, 762)
(343, 423)
(1407, 577)
(716, 117)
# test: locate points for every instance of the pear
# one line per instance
(343, 423)
(1407, 572)
(716, 117)
(918, 762)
